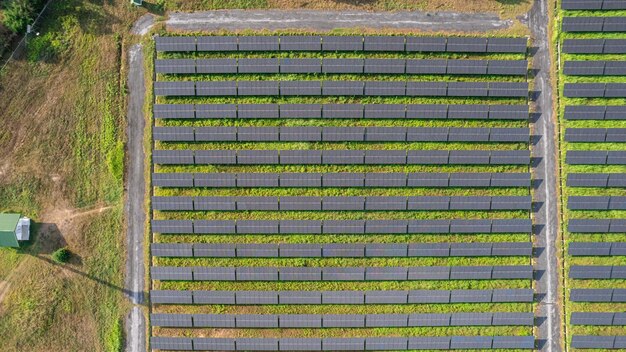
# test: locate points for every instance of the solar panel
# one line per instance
(258, 43)
(386, 88)
(386, 203)
(428, 203)
(256, 297)
(384, 66)
(429, 226)
(216, 88)
(257, 226)
(468, 89)
(343, 250)
(172, 179)
(300, 321)
(588, 202)
(471, 342)
(467, 67)
(344, 179)
(583, 46)
(343, 344)
(383, 43)
(507, 45)
(584, 90)
(331, 88)
(597, 319)
(512, 295)
(469, 157)
(342, 65)
(470, 112)
(384, 111)
(216, 134)
(300, 88)
(508, 67)
(174, 88)
(300, 43)
(300, 180)
(428, 250)
(584, 68)
(467, 45)
(471, 319)
(176, 66)
(615, 68)
(429, 320)
(258, 65)
(386, 250)
(508, 89)
(213, 320)
(586, 341)
(512, 249)
(342, 43)
(173, 111)
(343, 321)
(341, 157)
(217, 43)
(344, 226)
(214, 274)
(386, 297)
(616, 158)
(385, 180)
(613, 5)
(172, 203)
(343, 297)
(459, 134)
(386, 226)
(257, 134)
(214, 250)
(429, 296)
(425, 44)
(614, 24)
(615, 90)
(300, 344)
(257, 250)
(336, 134)
(508, 112)
(300, 65)
(590, 272)
(470, 226)
(257, 274)
(257, 88)
(581, 5)
(386, 343)
(470, 296)
(427, 111)
(426, 89)
(297, 250)
(426, 134)
(385, 134)
(582, 24)
(257, 344)
(257, 180)
(429, 273)
(256, 321)
(426, 67)
(614, 46)
(172, 226)
(215, 157)
(380, 157)
(429, 343)
(168, 273)
(214, 226)
(300, 203)
(171, 343)
(300, 157)
(511, 342)
(257, 157)
(216, 65)
(257, 111)
(509, 157)
(427, 157)
(171, 297)
(213, 297)
(470, 249)
(175, 43)
(469, 179)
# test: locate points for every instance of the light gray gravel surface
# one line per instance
(136, 215)
(328, 20)
(143, 24)
(546, 217)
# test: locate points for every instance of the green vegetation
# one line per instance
(61, 255)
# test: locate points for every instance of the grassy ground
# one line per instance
(382, 238)
(63, 111)
(505, 8)
(569, 191)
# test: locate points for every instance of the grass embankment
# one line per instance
(506, 9)
(63, 111)
(577, 191)
(382, 238)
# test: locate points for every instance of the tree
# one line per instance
(18, 14)
(61, 255)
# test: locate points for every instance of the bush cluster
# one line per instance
(17, 14)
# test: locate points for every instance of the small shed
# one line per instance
(13, 228)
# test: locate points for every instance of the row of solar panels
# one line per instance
(347, 179)
(597, 248)
(598, 319)
(596, 180)
(341, 226)
(343, 344)
(342, 250)
(595, 90)
(235, 321)
(595, 157)
(598, 342)
(596, 203)
(342, 88)
(353, 203)
(616, 295)
(201, 273)
(343, 297)
(597, 272)
(595, 68)
(343, 157)
(574, 135)
(342, 111)
(593, 5)
(594, 46)
(352, 66)
(594, 24)
(342, 43)
(597, 225)
(595, 112)
(343, 134)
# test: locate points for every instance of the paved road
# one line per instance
(136, 215)
(546, 217)
(328, 20)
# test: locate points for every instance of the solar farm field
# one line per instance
(341, 193)
(593, 130)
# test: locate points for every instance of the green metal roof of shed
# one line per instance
(8, 223)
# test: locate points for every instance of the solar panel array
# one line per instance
(345, 179)
(345, 43)
(342, 157)
(593, 5)
(343, 344)
(367, 66)
(265, 170)
(341, 226)
(342, 111)
(286, 297)
(295, 321)
(594, 139)
(343, 134)
(594, 24)
(345, 250)
(344, 88)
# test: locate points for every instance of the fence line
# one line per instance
(22, 41)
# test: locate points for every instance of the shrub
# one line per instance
(61, 255)
(18, 14)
